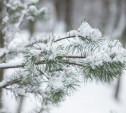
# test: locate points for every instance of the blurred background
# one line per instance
(109, 16)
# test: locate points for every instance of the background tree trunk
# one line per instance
(21, 102)
(68, 14)
(1, 46)
(64, 12)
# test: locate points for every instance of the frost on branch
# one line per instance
(54, 64)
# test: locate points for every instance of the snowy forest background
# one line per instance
(109, 16)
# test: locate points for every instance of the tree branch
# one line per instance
(4, 84)
(13, 65)
(24, 51)
(72, 63)
(74, 56)
(9, 65)
(68, 38)
(8, 52)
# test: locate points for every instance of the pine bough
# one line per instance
(53, 65)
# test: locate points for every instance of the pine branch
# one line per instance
(20, 65)
(72, 63)
(74, 56)
(74, 36)
(24, 51)
(11, 52)
(22, 17)
(4, 84)
(9, 65)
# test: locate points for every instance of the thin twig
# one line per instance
(74, 56)
(67, 38)
(72, 63)
(9, 83)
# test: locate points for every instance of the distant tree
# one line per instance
(1, 46)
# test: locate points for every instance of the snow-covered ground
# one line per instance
(95, 98)
(90, 98)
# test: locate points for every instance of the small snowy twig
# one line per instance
(10, 65)
(22, 17)
(74, 36)
(7, 52)
(74, 56)
(4, 84)
(73, 63)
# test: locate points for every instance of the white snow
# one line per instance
(31, 1)
(95, 98)
(3, 83)
(17, 61)
(20, 39)
(56, 82)
(13, 4)
(2, 51)
(90, 98)
(86, 31)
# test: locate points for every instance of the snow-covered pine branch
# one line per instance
(17, 12)
(53, 65)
